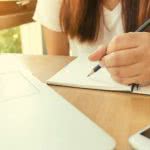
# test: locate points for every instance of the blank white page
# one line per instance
(14, 85)
(45, 120)
(75, 75)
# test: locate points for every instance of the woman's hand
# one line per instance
(127, 58)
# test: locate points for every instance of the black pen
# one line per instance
(95, 69)
(140, 29)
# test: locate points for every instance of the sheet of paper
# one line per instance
(75, 75)
(143, 90)
(14, 85)
(36, 118)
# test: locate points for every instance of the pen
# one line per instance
(140, 29)
(95, 69)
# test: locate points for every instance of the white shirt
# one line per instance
(47, 14)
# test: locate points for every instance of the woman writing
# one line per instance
(102, 29)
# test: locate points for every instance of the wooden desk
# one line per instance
(120, 114)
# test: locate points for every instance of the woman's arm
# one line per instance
(56, 42)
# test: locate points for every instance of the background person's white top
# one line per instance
(47, 14)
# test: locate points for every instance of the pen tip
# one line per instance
(90, 74)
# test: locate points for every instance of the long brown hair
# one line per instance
(81, 18)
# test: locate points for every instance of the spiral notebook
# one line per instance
(75, 75)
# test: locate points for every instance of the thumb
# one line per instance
(98, 54)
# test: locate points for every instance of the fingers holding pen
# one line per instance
(98, 54)
(123, 58)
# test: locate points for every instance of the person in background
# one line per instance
(102, 29)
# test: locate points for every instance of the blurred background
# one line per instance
(18, 32)
(10, 41)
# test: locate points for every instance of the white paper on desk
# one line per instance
(75, 75)
(13, 84)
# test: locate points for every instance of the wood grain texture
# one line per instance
(120, 114)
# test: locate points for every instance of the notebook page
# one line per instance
(75, 75)
(143, 90)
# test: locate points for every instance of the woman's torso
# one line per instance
(47, 14)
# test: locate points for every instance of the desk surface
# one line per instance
(120, 114)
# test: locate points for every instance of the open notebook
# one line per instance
(75, 75)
